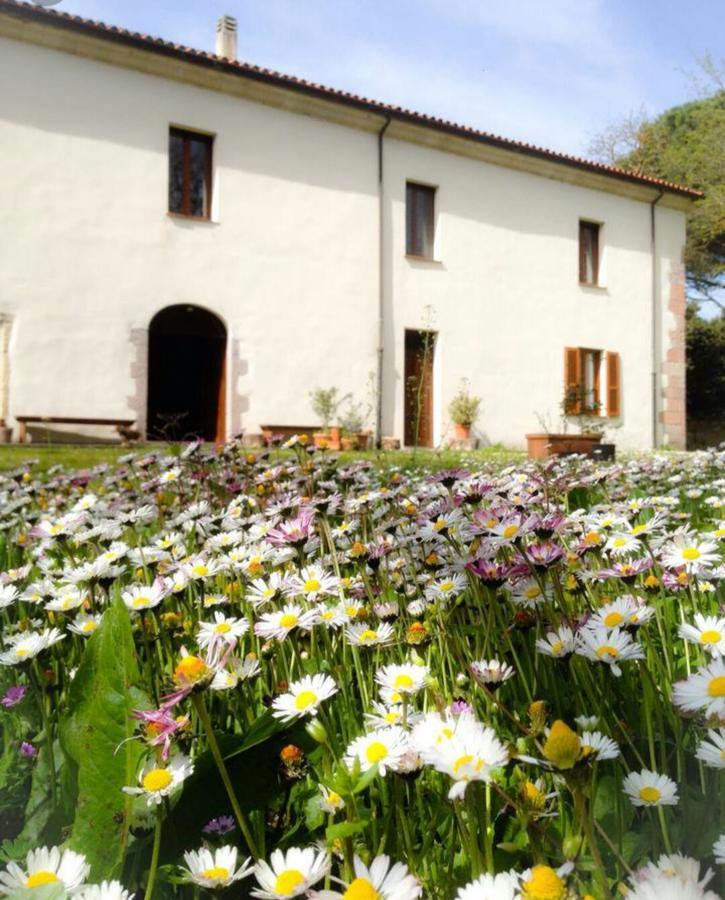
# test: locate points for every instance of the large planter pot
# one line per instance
(462, 432)
(348, 443)
(541, 446)
(335, 435)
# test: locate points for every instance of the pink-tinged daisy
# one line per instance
(703, 690)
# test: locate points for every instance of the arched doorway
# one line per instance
(186, 384)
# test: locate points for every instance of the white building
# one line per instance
(185, 233)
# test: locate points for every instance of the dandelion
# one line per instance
(304, 697)
(290, 873)
(647, 788)
(215, 869)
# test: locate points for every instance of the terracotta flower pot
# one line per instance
(362, 440)
(462, 432)
(541, 446)
(321, 439)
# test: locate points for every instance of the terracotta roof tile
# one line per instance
(249, 70)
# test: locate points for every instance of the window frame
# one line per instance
(595, 230)
(411, 231)
(576, 392)
(187, 135)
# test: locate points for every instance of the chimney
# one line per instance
(226, 37)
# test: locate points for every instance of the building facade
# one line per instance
(196, 244)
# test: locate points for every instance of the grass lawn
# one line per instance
(80, 456)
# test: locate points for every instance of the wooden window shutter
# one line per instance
(613, 385)
(572, 381)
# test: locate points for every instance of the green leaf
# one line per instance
(345, 829)
(94, 736)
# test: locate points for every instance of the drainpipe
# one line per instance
(655, 307)
(381, 287)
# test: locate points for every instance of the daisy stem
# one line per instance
(202, 712)
(45, 720)
(148, 894)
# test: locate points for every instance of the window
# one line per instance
(588, 253)
(582, 382)
(190, 173)
(419, 220)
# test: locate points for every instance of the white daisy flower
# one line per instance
(361, 634)
(622, 544)
(84, 624)
(157, 782)
(718, 850)
(708, 632)
(8, 595)
(143, 596)
(106, 890)
(557, 643)
(712, 750)
(330, 801)
(304, 697)
(215, 869)
(491, 672)
(704, 690)
(236, 671)
(691, 553)
(623, 611)
(674, 866)
(26, 646)
(610, 647)
(544, 882)
(586, 723)
(597, 746)
(406, 679)
(311, 583)
(170, 475)
(503, 886)
(44, 867)
(280, 623)
(68, 598)
(290, 873)
(222, 629)
(384, 747)
(378, 882)
(647, 788)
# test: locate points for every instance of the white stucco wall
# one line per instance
(290, 262)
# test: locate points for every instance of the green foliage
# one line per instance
(95, 736)
(464, 407)
(324, 404)
(705, 365)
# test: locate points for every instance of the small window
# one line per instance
(589, 253)
(419, 220)
(582, 381)
(190, 173)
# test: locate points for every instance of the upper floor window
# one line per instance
(584, 394)
(589, 253)
(190, 173)
(419, 220)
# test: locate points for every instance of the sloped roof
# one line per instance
(279, 79)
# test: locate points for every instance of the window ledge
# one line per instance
(423, 259)
(203, 220)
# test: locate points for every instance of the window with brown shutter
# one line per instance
(572, 381)
(613, 385)
(190, 173)
(582, 394)
(419, 220)
(589, 253)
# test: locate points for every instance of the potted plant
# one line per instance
(463, 411)
(591, 428)
(353, 422)
(324, 404)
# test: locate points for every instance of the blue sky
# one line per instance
(551, 72)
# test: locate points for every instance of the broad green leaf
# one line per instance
(94, 736)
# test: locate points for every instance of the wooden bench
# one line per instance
(123, 426)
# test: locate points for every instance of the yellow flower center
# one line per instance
(544, 884)
(638, 529)
(223, 628)
(690, 553)
(288, 881)
(89, 626)
(288, 620)
(510, 531)
(139, 602)
(532, 592)
(607, 650)
(716, 688)
(440, 525)
(37, 879)
(447, 586)
(216, 873)
(613, 619)
(462, 761)
(392, 717)
(312, 585)
(305, 699)
(619, 542)
(368, 635)
(376, 752)
(156, 780)
(710, 637)
(592, 537)
(557, 646)
(649, 794)
(360, 889)
(562, 747)
(533, 796)
(334, 799)
(403, 682)
(201, 569)
(190, 668)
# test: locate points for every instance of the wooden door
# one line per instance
(418, 406)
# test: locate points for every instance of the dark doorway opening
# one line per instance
(419, 355)
(186, 387)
